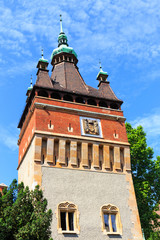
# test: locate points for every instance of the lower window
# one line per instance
(111, 223)
(68, 218)
(67, 221)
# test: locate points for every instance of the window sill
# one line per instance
(112, 233)
(68, 232)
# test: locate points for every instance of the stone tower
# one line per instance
(73, 143)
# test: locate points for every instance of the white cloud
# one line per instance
(119, 26)
(151, 125)
(8, 137)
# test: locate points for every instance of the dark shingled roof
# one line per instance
(43, 79)
(69, 77)
(66, 77)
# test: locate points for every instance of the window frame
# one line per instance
(110, 209)
(68, 207)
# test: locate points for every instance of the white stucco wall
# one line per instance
(89, 191)
(26, 169)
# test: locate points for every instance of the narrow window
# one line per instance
(106, 222)
(122, 158)
(78, 154)
(67, 152)
(113, 220)
(89, 155)
(43, 93)
(56, 150)
(44, 151)
(100, 156)
(63, 221)
(42, 161)
(111, 156)
(71, 219)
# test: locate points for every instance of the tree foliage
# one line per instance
(24, 214)
(146, 178)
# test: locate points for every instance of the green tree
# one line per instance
(24, 214)
(146, 179)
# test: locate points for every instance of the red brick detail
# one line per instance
(40, 119)
(27, 136)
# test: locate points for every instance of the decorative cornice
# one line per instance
(79, 112)
(82, 138)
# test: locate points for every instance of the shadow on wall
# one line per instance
(70, 235)
(115, 236)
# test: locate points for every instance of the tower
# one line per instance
(73, 143)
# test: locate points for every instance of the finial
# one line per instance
(100, 66)
(42, 53)
(31, 80)
(61, 29)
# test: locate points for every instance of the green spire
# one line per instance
(42, 53)
(42, 58)
(100, 66)
(30, 88)
(62, 43)
(61, 29)
(102, 76)
(62, 38)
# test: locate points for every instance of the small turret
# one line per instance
(42, 63)
(102, 76)
(43, 79)
(29, 88)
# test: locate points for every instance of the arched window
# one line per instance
(80, 100)
(55, 95)
(114, 106)
(68, 98)
(103, 104)
(68, 218)
(91, 102)
(43, 93)
(111, 223)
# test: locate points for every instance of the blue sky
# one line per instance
(125, 35)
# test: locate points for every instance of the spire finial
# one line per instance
(100, 66)
(42, 53)
(61, 29)
(31, 80)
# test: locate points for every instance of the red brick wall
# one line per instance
(78, 106)
(41, 118)
(61, 123)
(26, 136)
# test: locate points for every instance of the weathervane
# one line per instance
(42, 53)
(100, 65)
(31, 80)
(61, 29)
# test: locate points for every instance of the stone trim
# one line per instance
(79, 112)
(67, 207)
(136, 230)
(99, 140)
(111, 209)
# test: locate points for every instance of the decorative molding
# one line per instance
(67, 207)
(79, 112)
(51, 134)
(111, 209)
